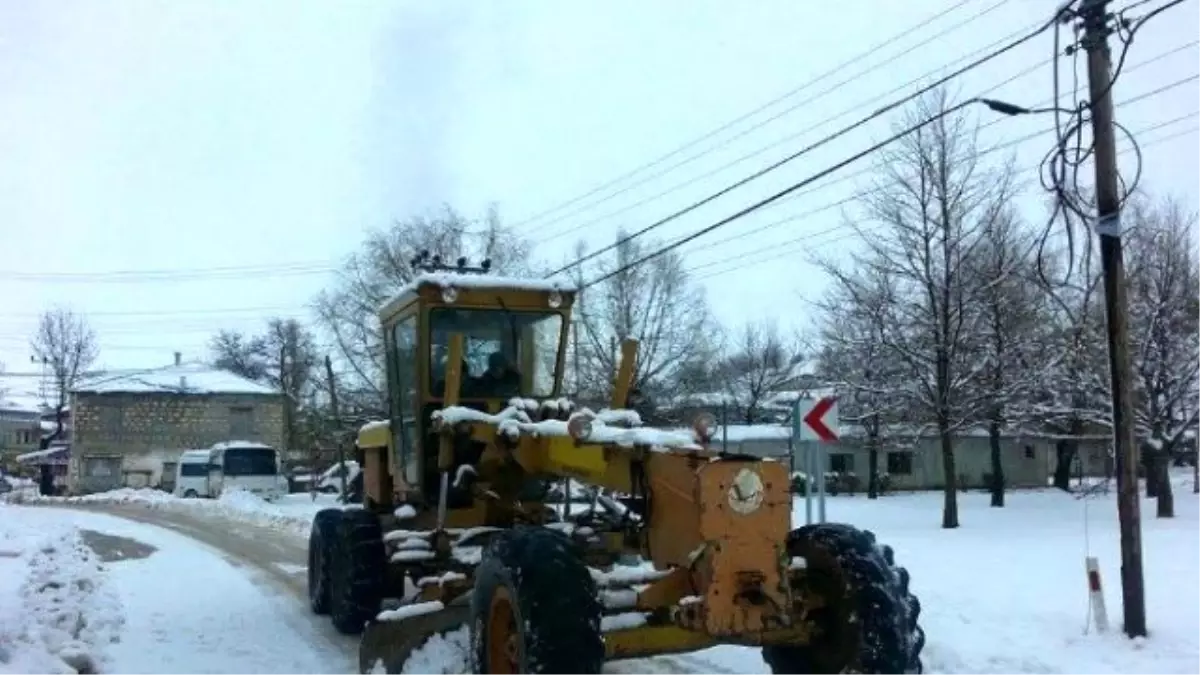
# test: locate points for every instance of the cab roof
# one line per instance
(472, 282)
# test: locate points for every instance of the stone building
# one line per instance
(129, 429)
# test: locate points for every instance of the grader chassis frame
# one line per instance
(466, 545)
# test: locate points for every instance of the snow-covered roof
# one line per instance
(186, 378)
(225, 445)
(789, 398)
(490, 281)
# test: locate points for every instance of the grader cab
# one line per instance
(560, 537)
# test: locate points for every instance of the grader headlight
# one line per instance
(449, 295)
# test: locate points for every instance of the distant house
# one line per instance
(129, 429)
(914, 463)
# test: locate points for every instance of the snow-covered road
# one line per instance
(279, 558)
(149, 600)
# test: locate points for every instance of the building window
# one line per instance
(841, 462)
(241, 423)
(900, 463)
(1029, 452)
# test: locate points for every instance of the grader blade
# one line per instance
(392, 642)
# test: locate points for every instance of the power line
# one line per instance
(875, 115)
(236, 271)
(773, 144)
(171, 312)
(782, 249)
(745, 116)
(794, 187)
(1000, 146)
(782, 193)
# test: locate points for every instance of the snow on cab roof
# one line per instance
(186, 378)
(445, 279)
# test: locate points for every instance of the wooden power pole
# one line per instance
(1108, 226)
(337, 422)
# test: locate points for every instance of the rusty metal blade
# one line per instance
(392, 642)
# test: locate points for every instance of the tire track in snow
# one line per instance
(270, 559)
(279, 560)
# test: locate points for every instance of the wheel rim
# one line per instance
(503, 639)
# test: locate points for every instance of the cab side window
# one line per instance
(404, 343)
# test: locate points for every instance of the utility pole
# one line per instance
(288, 405)
(1108, 226)
(337, 426)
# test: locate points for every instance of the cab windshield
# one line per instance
(506, 353)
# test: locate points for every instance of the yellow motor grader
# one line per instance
(487, 506)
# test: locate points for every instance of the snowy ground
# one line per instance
(293, 513)
(1006, 592)
(133, 598)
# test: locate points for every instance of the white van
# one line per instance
(253, 467)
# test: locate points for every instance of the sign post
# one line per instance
(816, 420)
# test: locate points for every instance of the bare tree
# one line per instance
(348, 311)
(68, 347)
(867, 377)
(1165, 321)
(762, 363)
(920, 225)
(655, 302)
(292, 363)
(1013, 308)
(240, 353)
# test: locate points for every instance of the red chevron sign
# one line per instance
(820, 420)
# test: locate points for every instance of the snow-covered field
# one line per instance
(162, 604)
(1006, 592)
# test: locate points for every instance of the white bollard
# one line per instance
(1096, 595)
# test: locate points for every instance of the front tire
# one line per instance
(869, 621)
(357, 569)
(320, 547)
(534, 608)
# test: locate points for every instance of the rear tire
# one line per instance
(357, 568)
(534, 608)
(869, 624)
(320, 547)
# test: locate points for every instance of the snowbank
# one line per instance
(292, 514)
(63, 614)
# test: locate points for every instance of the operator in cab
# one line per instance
(499, 380)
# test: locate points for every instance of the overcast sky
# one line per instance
(182, 136)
